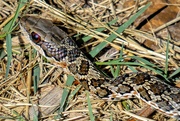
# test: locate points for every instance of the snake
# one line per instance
(60, 49)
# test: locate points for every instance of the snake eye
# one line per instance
(35, 37)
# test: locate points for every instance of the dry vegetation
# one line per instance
(144, 38)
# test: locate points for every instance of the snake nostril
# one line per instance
(35, 37)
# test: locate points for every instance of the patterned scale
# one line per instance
(54, 44)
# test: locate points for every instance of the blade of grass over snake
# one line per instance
(90, 107)
(86, 38)
(63, 103)
(144, 61)
(141, 60)
(159, 72)
(113, 36)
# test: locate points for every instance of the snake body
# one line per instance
(54, 44)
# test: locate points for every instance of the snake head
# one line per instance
(49, 40)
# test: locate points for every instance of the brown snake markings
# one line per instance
(55, 45)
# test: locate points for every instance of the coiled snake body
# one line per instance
(56, 46)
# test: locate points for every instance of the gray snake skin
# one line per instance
(54, 44)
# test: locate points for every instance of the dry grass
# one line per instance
(17, 97)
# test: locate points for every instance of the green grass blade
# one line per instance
(140, 60)
(65, 94)
(132, 68)
(2, 53)
(111, 117)
(35, 118)
(160, 72)
(3, 118)
(19, 117)
(174, 73)
(92, 118)
(121, 60)
(74, 92)
(144, 61)
(86, 38)
(35, 115)
(9, 26)
(126, 105)
(36, 72)
(9, 53)
(36, 77)
(167, 57)
(99, 47)
(112, 71)
(7, 29)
